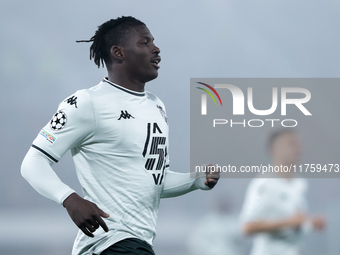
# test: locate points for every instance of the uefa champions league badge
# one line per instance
(48, 136)
(58, 121)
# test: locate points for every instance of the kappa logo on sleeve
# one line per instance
(72, 101)
(48, 136)
(58, 121)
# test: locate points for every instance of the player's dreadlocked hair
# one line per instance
(112, 32)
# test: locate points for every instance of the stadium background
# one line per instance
(41, 64)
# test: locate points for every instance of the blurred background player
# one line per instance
(275, 208)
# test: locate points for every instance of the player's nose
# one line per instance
(156, 50)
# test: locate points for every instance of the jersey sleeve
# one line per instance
(175, 183)
(72, 125)
(36, 168)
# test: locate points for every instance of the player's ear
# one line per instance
(117, 52)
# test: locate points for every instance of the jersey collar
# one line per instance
(140, 94)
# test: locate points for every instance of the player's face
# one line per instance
(141, 55)
(287, 148)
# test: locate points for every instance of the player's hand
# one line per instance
(212, 176)
(318, 222)
(85, 214)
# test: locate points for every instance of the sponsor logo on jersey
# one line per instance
(125, 115)
(48, 136)
(72, 101)
(163, 113)
(58, 121)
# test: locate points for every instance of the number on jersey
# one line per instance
(156, 155)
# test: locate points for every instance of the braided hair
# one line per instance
(112, 32)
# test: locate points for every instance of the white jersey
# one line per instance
(119, 143)
(275, 199)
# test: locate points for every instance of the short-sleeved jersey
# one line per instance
(275, 199)
(119, 143)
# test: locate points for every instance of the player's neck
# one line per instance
(126, 82)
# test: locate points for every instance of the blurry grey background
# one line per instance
(41, 64)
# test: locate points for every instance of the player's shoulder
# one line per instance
(79, 100)
(78, 107)
(74, 111)
(152, 96)
(84, 97)
(155, 98)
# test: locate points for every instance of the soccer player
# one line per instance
(118, 136)
(275, 209)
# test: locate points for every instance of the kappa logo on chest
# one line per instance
(125, 115)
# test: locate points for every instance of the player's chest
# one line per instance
(132, 125)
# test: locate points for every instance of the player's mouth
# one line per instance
(155, 61)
